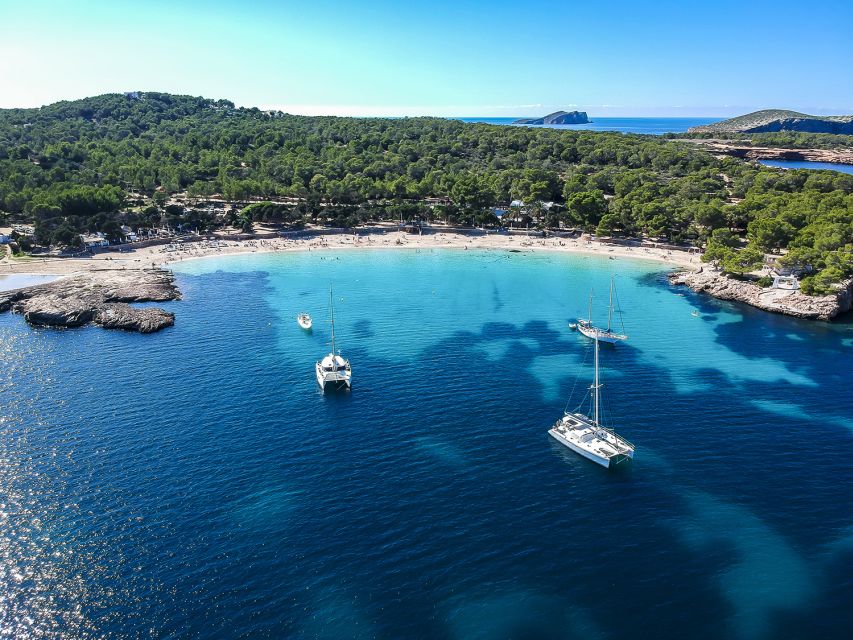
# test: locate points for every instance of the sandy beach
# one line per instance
(164, 255)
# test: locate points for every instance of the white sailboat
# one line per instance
(591, 331)
(333, 370)
(304, 321)
(587, 436)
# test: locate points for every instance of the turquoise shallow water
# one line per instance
(195, 484)
(9, 281)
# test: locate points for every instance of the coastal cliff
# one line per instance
(558, 117)
(791, 303)
(771, 120)
(97, 297)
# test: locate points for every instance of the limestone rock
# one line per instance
(792, 303)
(98, 297)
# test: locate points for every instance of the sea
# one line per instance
(650, 126)
(195, 483)
(11, 281)
(808, 164)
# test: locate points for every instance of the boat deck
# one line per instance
(597, 440)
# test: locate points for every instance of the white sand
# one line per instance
(162, 255)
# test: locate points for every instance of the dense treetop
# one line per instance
(94, 164)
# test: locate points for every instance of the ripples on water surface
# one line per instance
(195, 484)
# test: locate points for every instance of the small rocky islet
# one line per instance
(558, 117)
(100, 297)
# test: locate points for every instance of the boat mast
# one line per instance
(610, 308)
(332, 316)
(596, 386)
(590, 307)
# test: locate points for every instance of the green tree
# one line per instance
(586, 207)
(770, 233)
(742, 261)
(721, 245)
(607, 224)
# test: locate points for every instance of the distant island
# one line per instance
(558, 117)
(772, 120)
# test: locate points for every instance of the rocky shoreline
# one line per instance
(99, 297)
(730, 148)
(791, 303)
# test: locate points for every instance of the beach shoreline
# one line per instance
(685, 267)
(165, 255)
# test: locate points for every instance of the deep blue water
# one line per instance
(195, 484)
(653, 126)
(804, 164)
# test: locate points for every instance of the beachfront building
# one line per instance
(790, 283)
(95, 240)
(129, 234)
(413, 226)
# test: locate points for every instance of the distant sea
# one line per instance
(195, 484)
(651, 126)
(805, 164)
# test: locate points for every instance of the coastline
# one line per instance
(783, 301)
(164, 256)
(75, 275)
(739, 149)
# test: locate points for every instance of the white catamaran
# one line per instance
(587, 436)
(333, 370)
(591, 331)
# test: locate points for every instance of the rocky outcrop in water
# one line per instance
(791, 303)
(558, 117)
(97, 297)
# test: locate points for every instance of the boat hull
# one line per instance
(589, 455)
(332, 379)
(602, 446)
(603, 336)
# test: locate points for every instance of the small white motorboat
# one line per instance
(304, 321)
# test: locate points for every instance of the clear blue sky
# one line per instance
(377, 57)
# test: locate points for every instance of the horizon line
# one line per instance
(486, 111)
